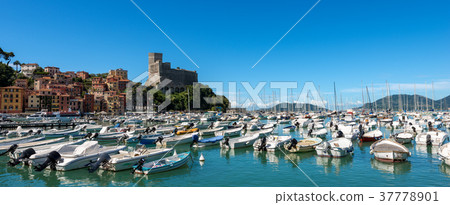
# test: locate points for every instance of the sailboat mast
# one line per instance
(335, 98)
(432, 89)
(400, 107)
(415, 100)
(362, 96)
(373, 97)
(368, 96)
(426, 96)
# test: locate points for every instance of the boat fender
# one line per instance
(51, 160)
(11, 149)
(202, 158)
(25, 155)
(293, 143)
(104, 158)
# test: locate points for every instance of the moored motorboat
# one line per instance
(270, 143)
(71, 157)
(339, 147)
(289, 128)
(389, 150)
(127, 159)
(229, 133)
(403, 137)
(372, 136)
(208, 141)
(239, 142)
(322, 132)
(61, 133)
(303, 145)
(211, 131)
(444, 153)
(162, 165)
(22, 154)
(153, 138)
(179, 139)
(434, 138)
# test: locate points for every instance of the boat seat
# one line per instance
(336, 144)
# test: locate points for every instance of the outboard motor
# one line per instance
(430, 126)
(30, 132)
(340, 134)
(245, 126)
(293, 143)
(297, 124)
(331, 123)
(95, 135)
(262, 146)
(336, 127)
(88, 135)
(11, 149)
(103, 159)
(51, 160)
(153, 129)
(38, 132)
(194, 140)
(159, 139)
(26, 154)
(310, 132)
(226, 141)
(429, 142)
(139, 165)
(122, 139)
(147, 130)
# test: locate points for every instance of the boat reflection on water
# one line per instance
(271, 157)
(227, 153)
(392, 168)
(156, 179)
(425, 149)
(338, 163)
(444, 169)
(297, 158)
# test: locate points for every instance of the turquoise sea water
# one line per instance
(246, 168)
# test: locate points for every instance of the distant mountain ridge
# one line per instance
(295, 107)
(406, 102)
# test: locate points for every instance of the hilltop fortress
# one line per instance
(158, 71)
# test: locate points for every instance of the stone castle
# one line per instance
(159, 71)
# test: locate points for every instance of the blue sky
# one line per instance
(347, 41)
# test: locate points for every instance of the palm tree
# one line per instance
(17, 63)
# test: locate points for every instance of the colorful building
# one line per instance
(11, 99)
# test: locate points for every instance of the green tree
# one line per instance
(7, 75)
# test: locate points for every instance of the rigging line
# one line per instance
(312, 181)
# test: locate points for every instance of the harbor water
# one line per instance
(247, 168)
